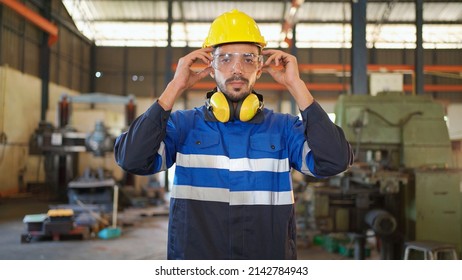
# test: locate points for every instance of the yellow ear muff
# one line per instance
(249, 108)
(221, 108)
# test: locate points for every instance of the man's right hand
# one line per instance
(185, 77)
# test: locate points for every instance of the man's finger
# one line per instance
(205, 72)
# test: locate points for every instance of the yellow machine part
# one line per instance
(60, 212)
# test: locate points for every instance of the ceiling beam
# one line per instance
(275, 1)
(275, 20)
(41, 22)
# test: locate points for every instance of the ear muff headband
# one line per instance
(221, 108)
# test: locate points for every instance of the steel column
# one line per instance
(358, 48)
(93, 68)
(169, 50)
(125, 72)
(168, 65)
(419, 55)
(293, 50)
(155, 71)
(45, 62)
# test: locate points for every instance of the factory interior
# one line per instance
(75, 74)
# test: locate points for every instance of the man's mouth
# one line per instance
(237, 81)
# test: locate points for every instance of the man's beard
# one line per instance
(230, 96)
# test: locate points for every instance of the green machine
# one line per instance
(402, 185)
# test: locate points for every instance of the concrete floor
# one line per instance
(144, 237)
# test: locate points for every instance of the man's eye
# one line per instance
(225, 58)
(249, 58)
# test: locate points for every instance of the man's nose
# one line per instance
(237, 67)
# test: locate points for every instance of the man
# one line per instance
(232, 195)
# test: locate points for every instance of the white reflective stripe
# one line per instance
(233, 198)
(161, 152)
(261, 164)
(240, 164)
(306, 149)
(200, 193)
(261, 198)
(204, 161)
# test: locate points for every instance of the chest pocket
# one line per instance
(266, 143)
(200, 141)
(270, 148)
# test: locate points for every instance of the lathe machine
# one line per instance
(403, 185)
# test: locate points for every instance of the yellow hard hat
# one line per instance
(232, 27)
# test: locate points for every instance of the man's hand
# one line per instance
(283, 67)
(185, 77)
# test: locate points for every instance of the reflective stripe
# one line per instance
(233, 198)
(202, 161)
(261, 198)
(240, 164)
(305, 170)
(198, 193)
(161, 152)
(261, 164)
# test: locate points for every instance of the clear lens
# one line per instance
(248, 62)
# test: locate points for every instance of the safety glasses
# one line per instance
(248, 62)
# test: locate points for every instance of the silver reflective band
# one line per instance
(248, 62)
(232, 164)
(232, 198)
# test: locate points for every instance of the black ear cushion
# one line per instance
(231, 110)
(237, 112)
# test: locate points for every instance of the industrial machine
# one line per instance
(55, 224)
(60, 145)
(402, 186)
(90, 196)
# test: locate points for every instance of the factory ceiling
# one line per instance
(318, 24)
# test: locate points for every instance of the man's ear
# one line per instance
(259, 72)
(212, 73)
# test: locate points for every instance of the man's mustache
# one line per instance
(237, 78)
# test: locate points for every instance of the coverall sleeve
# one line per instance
(136, 150)
(331, 152)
